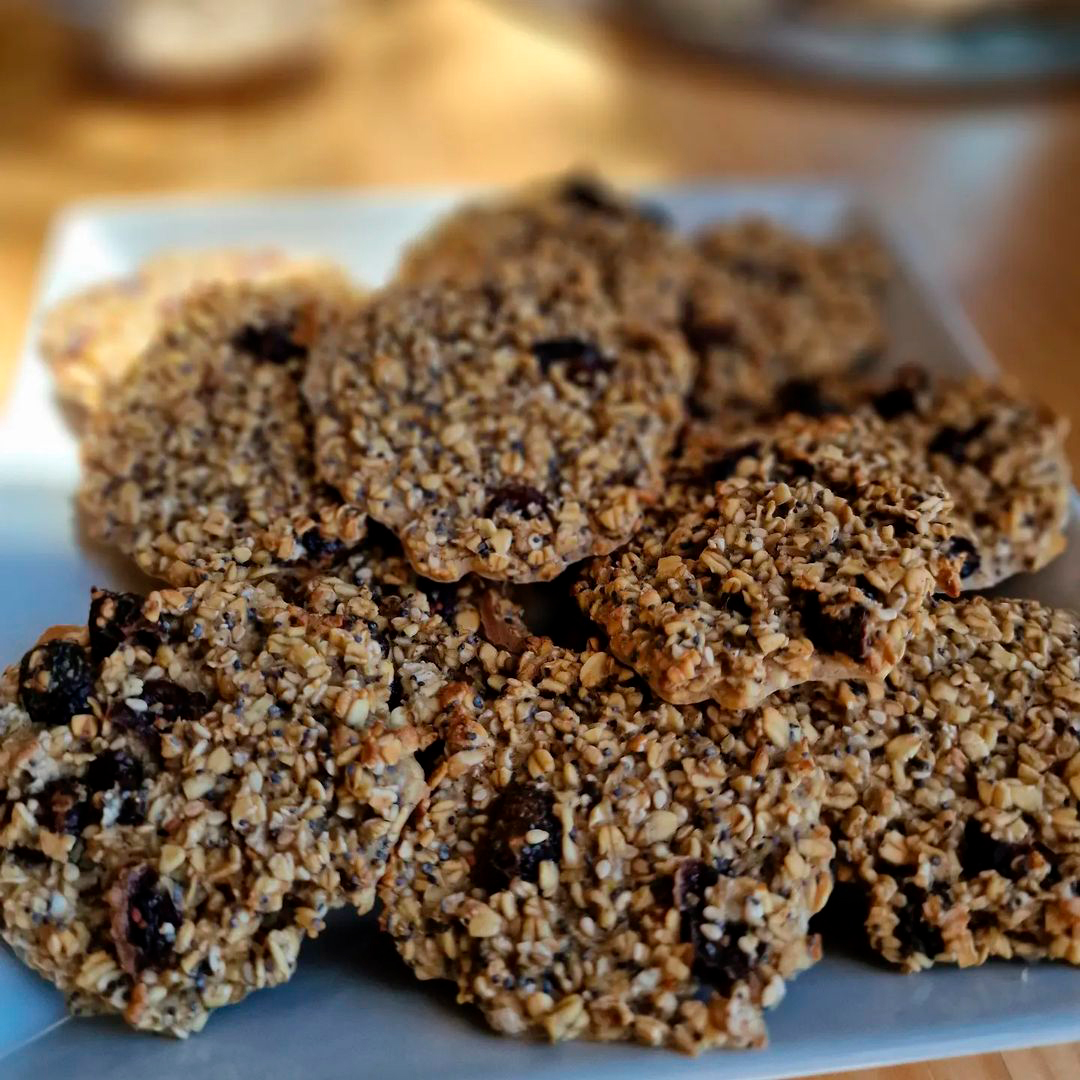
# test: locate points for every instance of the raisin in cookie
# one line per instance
(955, 785)
(191, 782)
(93, 337)
(812, 561)
(590, 865)
(504, 431)
(769, 306)
(1001, 456)
(199, 463)
(575, 225)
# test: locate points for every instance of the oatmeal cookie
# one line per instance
(1001, 456)
(504, 431)
(575, 225)
(811, 561)
(769, 305)
(199, 464)
(593, 865)
(191, 782)
(955, 784)
(93, 337)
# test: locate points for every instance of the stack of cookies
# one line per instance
(587, 596)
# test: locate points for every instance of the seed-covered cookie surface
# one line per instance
(504, 431)
(593, 865)
(812, 561)
(954, 785)
(1001, 456)
(93, 337)
(767, 306)
(190, 784)
(574, 225)
(199, 464)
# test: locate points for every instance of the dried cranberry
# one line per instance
(55, 681)
(895, 402)
(953, 442)
(114, 769)
(145, 919)
(62, 807)
(838, 627)
(914, 933)
(961, 545)
(721, 963)
(517, 499)
(979, 852)
(170, 703)
(319, 546)
(520, 809)
(583, 361)
(270, 344)
(804, 396)
(117, 618)
(588, 194)
(430, 756)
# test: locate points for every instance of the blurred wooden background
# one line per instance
(422, 92)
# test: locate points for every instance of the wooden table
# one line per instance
(440, 91)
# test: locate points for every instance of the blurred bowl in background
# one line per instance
(910, 42)
(194, 44)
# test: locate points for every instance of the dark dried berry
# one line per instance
(117, 618)
(397, 695)
(319, 546)
(871, 590)
(173, 703)
(914, 933)
(961, 545)
(979, 852)
(805, 396)
(430, 756)
(29, 856)
(736, 603)
(114, 769)
(516, 812)
(270, 344)
(55, 680)
(62, 807)
(839, 627)
(582, 360)
(588, 194)
(953, 442)
(895, 402)
(145, 919)
(720, 963)
(517, 499)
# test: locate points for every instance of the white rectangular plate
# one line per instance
(353, 1009)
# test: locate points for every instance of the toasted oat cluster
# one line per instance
(589, 863)
(93, 337)
(191, 782)
(811, 562)
(199, 464)
(767, 306)
(507, 431)
(587, 594)
(954, 785)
